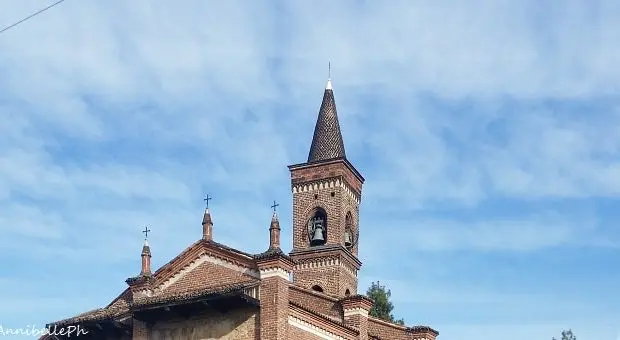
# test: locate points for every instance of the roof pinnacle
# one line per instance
(207, 222)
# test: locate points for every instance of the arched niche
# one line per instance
(350, 236)
(317, 227)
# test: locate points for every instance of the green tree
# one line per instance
(568, 335)
(382, 309)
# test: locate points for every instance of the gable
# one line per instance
(204, 265)
(205, 272)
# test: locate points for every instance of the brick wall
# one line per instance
(385, 330)
(206, 275)
(316, 301)
(316, 187)
(333, 279)
(360, 323)
(238, 324)
(336, 207)
(298, 334)
(274, 308)
(140, 330)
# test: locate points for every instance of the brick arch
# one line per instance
(351, 224)
(317, 288)
(317, 283)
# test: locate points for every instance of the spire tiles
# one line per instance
(327, 142)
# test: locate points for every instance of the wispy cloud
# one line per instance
(483, 129)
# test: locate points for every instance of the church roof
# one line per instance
(116, 309)
(195, 294)
(327, 141)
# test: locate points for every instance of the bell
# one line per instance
(317, 238)
(348, 242)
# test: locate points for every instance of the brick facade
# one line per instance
(274, 299)
(335, 187)
(211, 291)
(140, 330)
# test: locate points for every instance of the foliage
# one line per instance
(567, 335)
(382, 308)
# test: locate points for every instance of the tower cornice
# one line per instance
(326, 251)
(310, 165)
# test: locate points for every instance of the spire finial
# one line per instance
(206, 200)
(329, 70)
(146, 232)
(274, 206)
(329, 76)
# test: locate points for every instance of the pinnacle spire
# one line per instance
(327, 140)
(207, 226)
(207, 222)
(274, 232)
(146, 256)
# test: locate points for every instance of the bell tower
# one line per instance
(327, 190)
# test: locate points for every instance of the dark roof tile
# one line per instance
(327, 141)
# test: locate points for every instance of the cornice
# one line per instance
(327, 162)
(332, 182)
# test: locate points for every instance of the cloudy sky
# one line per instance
(488, 133)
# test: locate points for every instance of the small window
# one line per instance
(317, 288)
(347, 292)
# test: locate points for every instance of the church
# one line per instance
(212, 291)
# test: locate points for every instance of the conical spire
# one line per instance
(327, 141)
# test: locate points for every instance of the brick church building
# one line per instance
(212, 291)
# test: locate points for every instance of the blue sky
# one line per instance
(488, 133)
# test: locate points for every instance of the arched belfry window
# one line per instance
(317, 227)
(350, 234)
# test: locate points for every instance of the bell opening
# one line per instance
(317, 228)
(348, 232)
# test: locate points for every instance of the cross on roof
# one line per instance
(274, 206)
(207, 199)
(146, 232)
